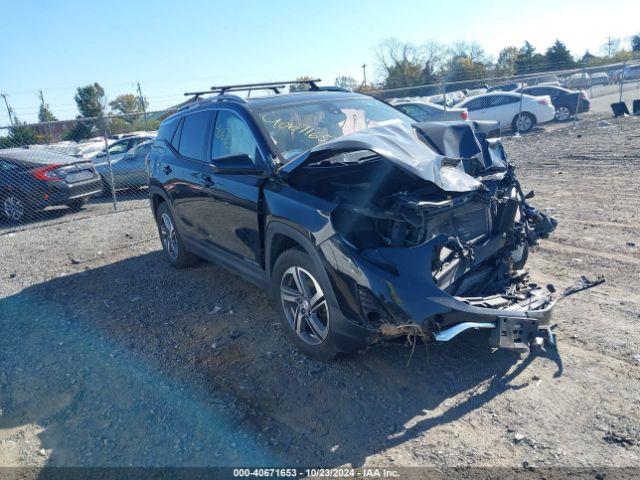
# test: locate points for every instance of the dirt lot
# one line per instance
(110, 357)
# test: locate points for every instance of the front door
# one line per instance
(233, 206)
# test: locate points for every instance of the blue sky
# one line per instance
(174, 46)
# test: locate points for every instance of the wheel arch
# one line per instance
(281, 237)
(157, 196)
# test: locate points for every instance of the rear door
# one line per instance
(182, 174)
(503, 108)
(477, 108)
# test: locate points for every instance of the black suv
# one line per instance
(362, 224)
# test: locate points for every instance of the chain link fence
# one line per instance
(72, 169)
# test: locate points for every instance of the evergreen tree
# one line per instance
(558, 56)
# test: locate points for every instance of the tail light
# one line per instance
(544, 101)
(46, 173)
(583, 96)
(464, 115)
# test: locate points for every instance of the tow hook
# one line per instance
(545, 338)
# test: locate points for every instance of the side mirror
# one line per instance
(238, 164)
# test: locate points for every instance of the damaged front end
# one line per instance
(432, 232)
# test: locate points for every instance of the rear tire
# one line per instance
(563, 114)
(304, 309)
(523, 123)
(106, 188)
(172, 244)
(14, 208)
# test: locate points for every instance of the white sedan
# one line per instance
(504, 107)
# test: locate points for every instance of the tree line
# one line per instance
(403, 64)
(96, 115)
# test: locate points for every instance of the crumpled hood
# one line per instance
(400, 144)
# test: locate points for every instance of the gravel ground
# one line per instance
(110, 357)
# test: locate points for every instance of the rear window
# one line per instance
(194, 134)
(167, 129)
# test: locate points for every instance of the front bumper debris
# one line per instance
(395, 296)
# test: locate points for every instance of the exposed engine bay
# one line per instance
(380, 205)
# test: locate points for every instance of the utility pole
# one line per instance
(144, 110)
(609, 42)
(46, 117)
(4, 95)
(364, 74)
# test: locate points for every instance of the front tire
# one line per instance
(172, 245)
(523, 123)
(302, 302)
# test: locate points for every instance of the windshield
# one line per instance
(297, 127)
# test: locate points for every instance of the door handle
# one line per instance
(206, 180)
(167, 169)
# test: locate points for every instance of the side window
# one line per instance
(232, 136)
(195, 130)
(143, 150)
(7, 167)
(497, 101)
(175, 142)
(500, 100)
(474, 104)
(119, 147)
(414, 112)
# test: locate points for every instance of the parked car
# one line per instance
(599, 78)
(564, 101)
(504, 108)
(506, 87)
(614, 75)
(578, 80)
(127, 170)
(544, 80)
(631, 72)
(31, 180)
(118, 148)
(361, 223)
(431, 112)
(450, 98)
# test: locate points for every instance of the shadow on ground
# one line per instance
(135, 363)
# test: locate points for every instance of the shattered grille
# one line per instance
(471, 220)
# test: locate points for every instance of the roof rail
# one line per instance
(218, 98)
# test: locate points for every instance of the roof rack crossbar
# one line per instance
(275, 86)
(268, 85)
